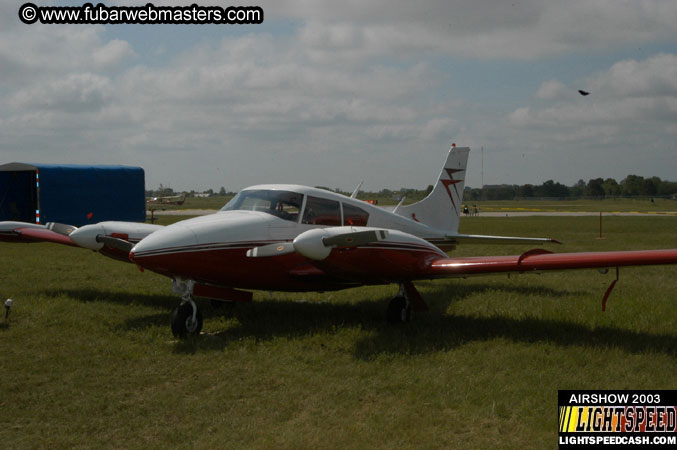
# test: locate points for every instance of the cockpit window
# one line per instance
(354, 216)
(283, 204)
(320, 211)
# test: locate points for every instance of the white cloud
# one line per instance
(486, 29)
(112, 54)
(552, 90)
(82, 92)
(629, 93)
(656, 76)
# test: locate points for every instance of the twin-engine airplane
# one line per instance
(296, 238)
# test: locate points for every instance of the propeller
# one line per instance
(317, 244)
(116, 243)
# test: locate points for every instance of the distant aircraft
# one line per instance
(169, 200)
(583, 93)
(282, 237)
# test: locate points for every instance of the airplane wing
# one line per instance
(28, 232)
(112, 239)
(539, 260)
(376, 255)
(542, 260)
(384, 245)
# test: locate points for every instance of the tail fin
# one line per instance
(441, 209)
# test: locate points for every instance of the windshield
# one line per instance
(283, 204)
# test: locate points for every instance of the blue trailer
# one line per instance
(72, 194)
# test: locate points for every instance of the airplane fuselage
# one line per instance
(213, 249)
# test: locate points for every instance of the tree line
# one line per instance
(630, 186)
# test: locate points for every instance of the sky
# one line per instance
(328, 93)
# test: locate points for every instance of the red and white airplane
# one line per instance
(296, 238)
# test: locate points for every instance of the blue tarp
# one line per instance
(73, 194)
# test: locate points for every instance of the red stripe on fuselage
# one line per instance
(228, 265)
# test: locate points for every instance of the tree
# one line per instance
(632, 185)
(578, 189)
(611, 188)
(552, 189)
(650, 186)
(595, 188)
(222, 191)
(526, 191)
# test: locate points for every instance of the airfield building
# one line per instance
(72, 194)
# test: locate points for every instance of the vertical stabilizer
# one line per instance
(441, 209)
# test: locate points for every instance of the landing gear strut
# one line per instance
(186, 318)
(399, 310)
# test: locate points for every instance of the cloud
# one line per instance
(486, 29)
(552, 90)
(351, 31)
(77, 93)
(341, 82)
(112, 54)
(654, 77)
(629, 93)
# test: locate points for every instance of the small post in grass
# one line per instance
(600, 226)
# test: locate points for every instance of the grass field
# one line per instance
(643, 205)
(88, 360)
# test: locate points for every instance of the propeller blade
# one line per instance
(61, 228)
(280, 248)
(116, 243)
(356, 238)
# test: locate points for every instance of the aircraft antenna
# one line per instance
(357, 189)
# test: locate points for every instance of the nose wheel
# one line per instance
(186, 318)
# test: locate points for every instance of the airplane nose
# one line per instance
(161, 251)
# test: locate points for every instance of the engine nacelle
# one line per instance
(86, 236)
(310, 245)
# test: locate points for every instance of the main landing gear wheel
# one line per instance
(399, 310)
(183, 323)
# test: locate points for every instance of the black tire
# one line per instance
(180, 318)
(399, 310)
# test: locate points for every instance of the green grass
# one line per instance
(88, 359)
(643, 205)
